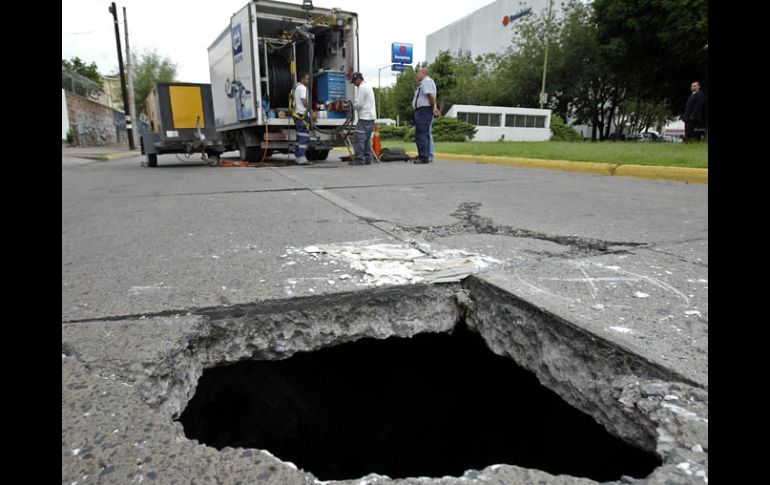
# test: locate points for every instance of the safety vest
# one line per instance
(293, 106)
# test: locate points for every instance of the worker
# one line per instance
(366, 110)
(300, 112)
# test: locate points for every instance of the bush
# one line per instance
(393, 132)
(562, 131)
(452, 129)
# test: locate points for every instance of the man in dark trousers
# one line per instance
(693, 112)
(425, 109)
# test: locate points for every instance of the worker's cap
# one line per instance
(356, 75)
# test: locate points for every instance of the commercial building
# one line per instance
(499, 123)
(488, 29)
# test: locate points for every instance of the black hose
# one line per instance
(280, 80)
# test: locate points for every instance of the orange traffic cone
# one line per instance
(377, 144)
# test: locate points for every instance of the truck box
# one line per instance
(254, 64)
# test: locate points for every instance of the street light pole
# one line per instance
(545, 60)
(379, 87)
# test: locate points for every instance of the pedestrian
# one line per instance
(693, 112)
(366, 110)
(425, 109)
(300, 111)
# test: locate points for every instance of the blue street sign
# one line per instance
(401, 53)
(400, 67)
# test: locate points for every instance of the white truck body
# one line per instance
(254, 64)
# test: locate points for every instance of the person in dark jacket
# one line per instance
(693, 112)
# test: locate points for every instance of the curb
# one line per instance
(654, 172)
(105, 156)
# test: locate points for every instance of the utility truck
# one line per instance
(254, 66)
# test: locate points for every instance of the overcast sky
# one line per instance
(183, 29)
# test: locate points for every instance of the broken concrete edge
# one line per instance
(550, 347)
(653, 172)
(632, 399)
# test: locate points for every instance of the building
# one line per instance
(499, 123)
(487, 30)
(113, 94)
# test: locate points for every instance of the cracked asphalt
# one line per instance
(623, 258)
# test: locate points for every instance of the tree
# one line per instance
(442, 72)
(659, 46)
(402, 94)
(91, 71)
(149, 69)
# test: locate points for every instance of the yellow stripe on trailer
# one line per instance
(186, 106)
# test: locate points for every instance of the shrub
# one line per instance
(393, 132)
(452, 129)
(562, 131)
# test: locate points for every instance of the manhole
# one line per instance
(436, 404)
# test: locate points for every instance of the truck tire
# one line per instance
(317, 155)
(152, 159)
(247, 153)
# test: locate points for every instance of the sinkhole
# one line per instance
(431, 405)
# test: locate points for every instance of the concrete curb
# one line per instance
(654, 172)
(676, 174)
(105, 156)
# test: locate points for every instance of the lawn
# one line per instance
(665, 154)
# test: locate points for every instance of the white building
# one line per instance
(488, 29)
(495, 123)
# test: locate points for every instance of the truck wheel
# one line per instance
(317, 154)
(152, 159)
(247, 154)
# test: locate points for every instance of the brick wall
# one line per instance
(93, 123)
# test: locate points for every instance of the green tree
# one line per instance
(149, 69)
(441, 70)
(474, 80)
(91, 71)
(402, 93)
(659, 46)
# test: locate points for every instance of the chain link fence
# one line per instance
(79, 84)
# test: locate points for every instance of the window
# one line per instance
(509, 120)
(483, 119)
(473, 118)
(530, 121)
(539, 121)
(462, 116)
(494, 120)
(519, 122)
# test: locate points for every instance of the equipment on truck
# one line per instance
(254, 64)
(181, 120)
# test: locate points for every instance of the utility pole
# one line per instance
(543, 96)
(130, 76)
(114, 12)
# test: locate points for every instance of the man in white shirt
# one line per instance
(300, 114)
(367, 113)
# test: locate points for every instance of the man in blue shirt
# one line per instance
(425, 109)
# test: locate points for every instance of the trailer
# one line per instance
(254, 64)
(180, 119)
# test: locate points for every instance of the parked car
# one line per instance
(643, 137)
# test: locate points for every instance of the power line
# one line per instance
(86, 32)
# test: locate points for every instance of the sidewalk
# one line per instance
(106, 152)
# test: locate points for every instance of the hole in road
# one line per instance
(432, 405)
